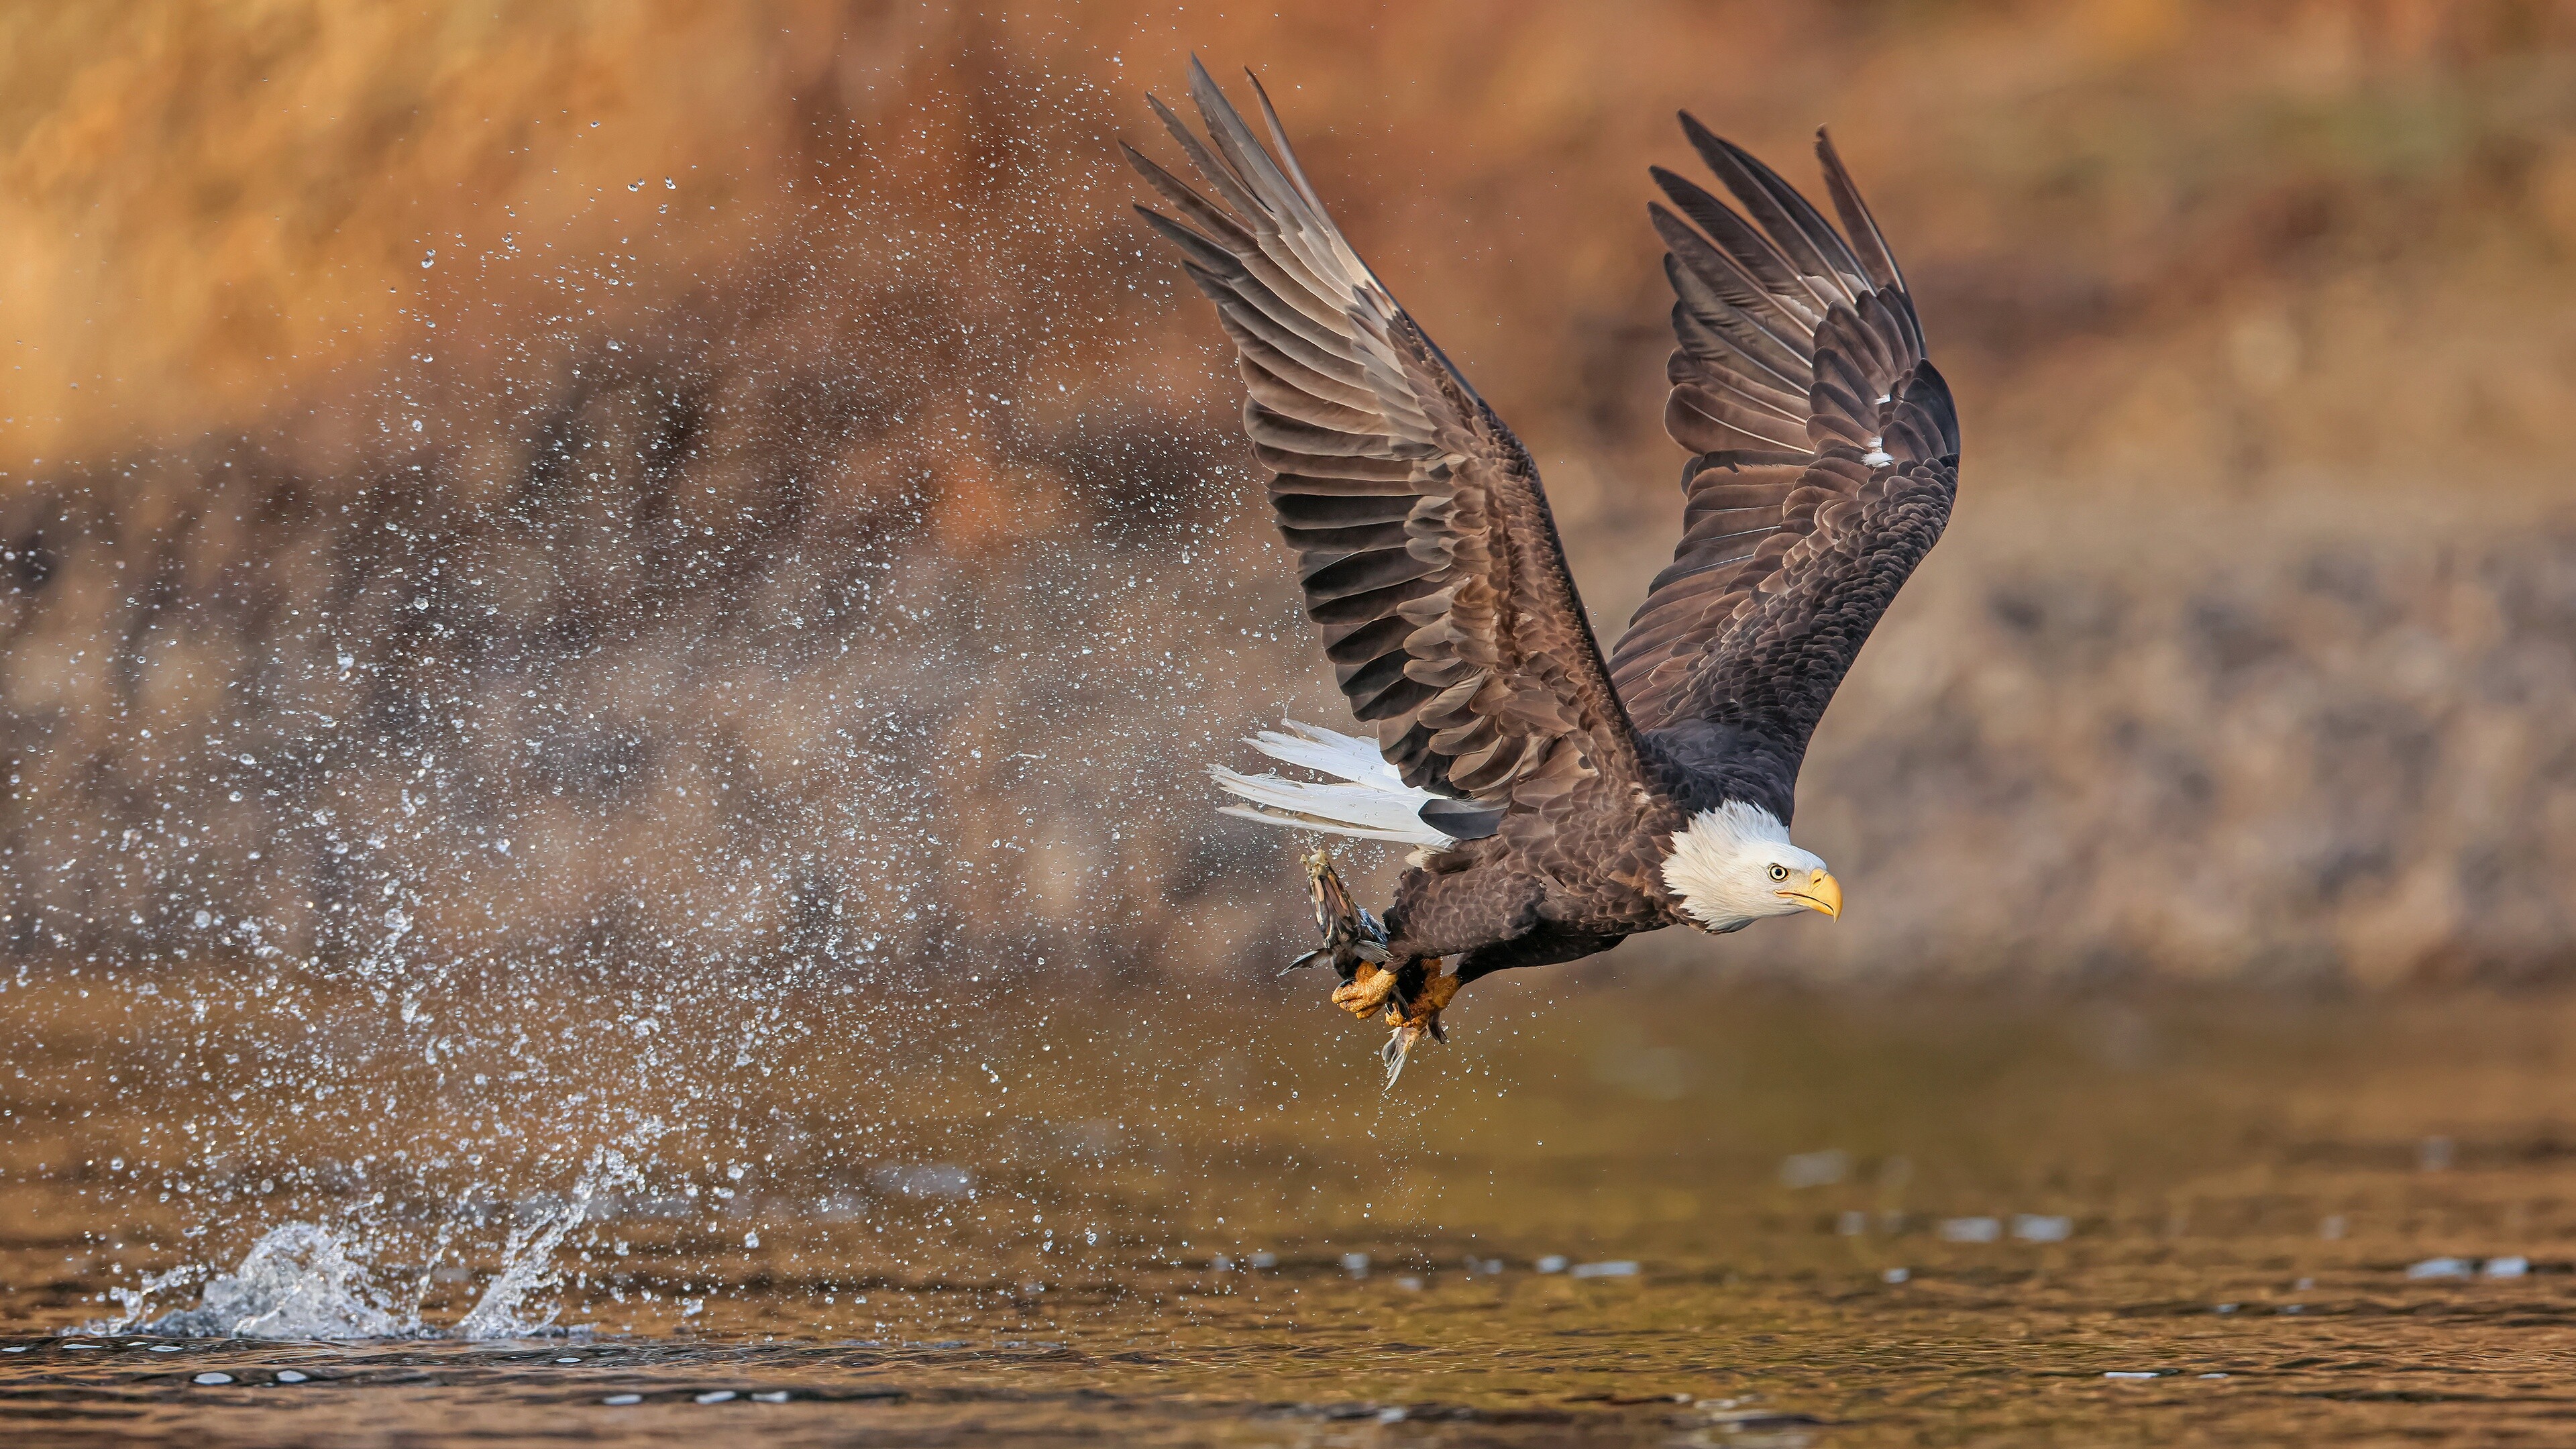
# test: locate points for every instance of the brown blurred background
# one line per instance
(639, 481)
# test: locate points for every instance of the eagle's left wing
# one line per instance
(1425, 548)
(1828, 454)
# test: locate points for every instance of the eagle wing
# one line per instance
(1425, 547)
(1826, 460)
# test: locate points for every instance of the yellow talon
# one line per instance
(1422, 1011)
(1415, 1017)
(1367, 990)
(1437, 992)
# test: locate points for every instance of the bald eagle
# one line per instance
(1562, 801)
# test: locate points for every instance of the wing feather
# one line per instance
(1826, 460)
(1426, 553)
(1822, 260)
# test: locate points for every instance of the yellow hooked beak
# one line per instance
(1821, 893)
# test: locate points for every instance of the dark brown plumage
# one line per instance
(1826, 454)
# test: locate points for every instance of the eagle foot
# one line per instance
(1368, 989)
(1415, 1013)
(1407, 995)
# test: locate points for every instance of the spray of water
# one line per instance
(528, 1264)
(298, 1281)
(630, 776)
(303, 1280)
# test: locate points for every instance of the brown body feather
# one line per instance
(1827, 455)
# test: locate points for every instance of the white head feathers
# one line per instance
(1729, 865)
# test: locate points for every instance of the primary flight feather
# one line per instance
(1561, 801)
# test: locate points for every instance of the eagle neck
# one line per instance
(1702, 765)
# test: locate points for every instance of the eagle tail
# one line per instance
(1366, 799)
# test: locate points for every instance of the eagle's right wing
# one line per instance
(1827, 457)
(1425, 548)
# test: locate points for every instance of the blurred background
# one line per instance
(636, 481)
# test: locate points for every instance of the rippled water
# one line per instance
(1620, 1214)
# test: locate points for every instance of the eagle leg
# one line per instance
(1407, 995)
(1416, 1014)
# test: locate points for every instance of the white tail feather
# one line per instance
(1375, 804)
(1328, 752)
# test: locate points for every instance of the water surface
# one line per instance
(1618, 1214)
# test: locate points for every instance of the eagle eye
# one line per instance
(1779, 872)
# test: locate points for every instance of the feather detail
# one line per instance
(1426, 553)
(1372, 802)
(1827, 455)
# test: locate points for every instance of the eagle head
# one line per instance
(1733, 865)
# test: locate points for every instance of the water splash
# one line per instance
(528, 1263)
(139, 1297)
(298, 1281)
(302, 1280)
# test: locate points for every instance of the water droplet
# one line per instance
(212, 1378)
(621, 1400)
(720, 1396)
(289, 1376)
